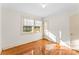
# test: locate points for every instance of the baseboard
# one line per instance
(20, 49)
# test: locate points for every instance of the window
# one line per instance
(37, 27)
(30, 25)
(27, 28)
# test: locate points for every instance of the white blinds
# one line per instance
(38, 23)
(28, 22)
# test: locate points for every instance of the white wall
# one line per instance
(58, 23)
(11, 33)
(0, 28)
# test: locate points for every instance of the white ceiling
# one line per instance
(36, 8)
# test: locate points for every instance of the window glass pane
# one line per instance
(37, 28)
(27, 28)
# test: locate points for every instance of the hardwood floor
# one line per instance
(38, 48)
(25, 47)
(61, 51)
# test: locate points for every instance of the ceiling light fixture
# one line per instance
(43, 5)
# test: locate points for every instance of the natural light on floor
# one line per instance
(53, 37)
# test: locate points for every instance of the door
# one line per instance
(74, 31)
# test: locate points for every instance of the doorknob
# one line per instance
(71, 34)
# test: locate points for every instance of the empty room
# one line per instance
(39, 29)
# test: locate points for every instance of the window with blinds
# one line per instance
(30, 25)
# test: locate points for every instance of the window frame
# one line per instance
(33, 31)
